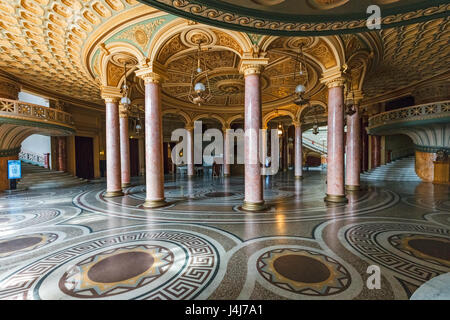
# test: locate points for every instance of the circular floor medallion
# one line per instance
(433, 249)
(301, 268)
(121, 267)
(18, 244)
(116, 271)
(147, 265)
(304, 272)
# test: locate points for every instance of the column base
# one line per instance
(152, 204)
(112, 194)
(335, 199)
(299, 177)
(352, 188)
(254, 206)
(126, 185)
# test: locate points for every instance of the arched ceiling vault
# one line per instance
(73, 47)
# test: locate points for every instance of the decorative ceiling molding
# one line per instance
(294, 18)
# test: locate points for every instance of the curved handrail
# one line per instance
(413, 113)
(28, 111)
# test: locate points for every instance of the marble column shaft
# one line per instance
(253, 120)
(154, 165)
(141, 156)
(190, 151)
(298, 151)
(226, 153)
(335, 169)
(376, 151)
(62, 154)
(113, 166)
(124, 149)
(353, 159)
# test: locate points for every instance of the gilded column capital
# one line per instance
(149, 76)
(337, 82)
(151, 72)
(252, 65)
(189, 126)
(110, 94)
(296, 124)
(123, 111)
(334, 78)
(225, 128)
(356, 96)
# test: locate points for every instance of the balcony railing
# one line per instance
(315, 145)
(32, 112)
(428, 111)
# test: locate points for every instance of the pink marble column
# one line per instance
(154, 165)
(190, 151)
(113, 178)
(353, 165)
(264, 146)
(124, 148)
(285, 148)
(62, 154)
(298, 151)
(253, 200)
(226, 153)
(335, 169)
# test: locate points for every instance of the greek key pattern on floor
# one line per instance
(75, 244)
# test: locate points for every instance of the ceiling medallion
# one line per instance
(268, 2)
(192, 37)
(326, 4)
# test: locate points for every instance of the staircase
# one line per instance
(399, 170)
(35, 177)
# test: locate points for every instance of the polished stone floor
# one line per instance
(74, 244)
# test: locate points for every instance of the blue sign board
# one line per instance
(14, 169)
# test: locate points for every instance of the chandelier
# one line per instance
(199, 92)
(125, 90)
(302, 72)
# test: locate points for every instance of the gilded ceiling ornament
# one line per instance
(141, 33)
(191, 37)
(326, 4)
(218, 14)
(268, 2)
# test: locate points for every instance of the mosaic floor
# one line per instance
(74, 244)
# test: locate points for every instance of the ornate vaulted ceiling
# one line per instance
(58, 46)
(41, 41)
(308, 17)
(411, 54)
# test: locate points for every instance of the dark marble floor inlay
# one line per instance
(80, 245)
(301, 268)
(120, 267)
(219, 194)
(434, 248)
(18, 244)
